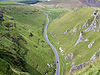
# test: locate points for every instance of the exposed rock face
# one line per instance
(49, 65)
(91, 44)
(84, 64)
(73, 63)
(90, 27)
(61, 49)
(85, 25)
(92, 59)
(69, 57)
(86, 40)
(74, 30)
(78, 67)
(93, 25)
(95, 56)
(95, 13)
(81, 38)
(66, 31)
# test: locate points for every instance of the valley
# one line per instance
(49, 37)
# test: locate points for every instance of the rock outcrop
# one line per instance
(93, 25)
(85, 25)
(69, 57)
(91, 44)
(81, 38)
(76, 68)
(66, 31)
(60, 49)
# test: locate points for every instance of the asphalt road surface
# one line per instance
(54, 50)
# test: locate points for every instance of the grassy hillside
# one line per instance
(14, 0)
(18, 1)
(61, 4)
(64, 33)
(93, 69)
(22, 44)
(6, 2)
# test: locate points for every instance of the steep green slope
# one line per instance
(93, 69)
(6, 2)
(4, 68)
(22, 42)
(64, 34)
(18, 1)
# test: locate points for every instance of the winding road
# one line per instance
(54, 50)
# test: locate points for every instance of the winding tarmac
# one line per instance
(54, 50)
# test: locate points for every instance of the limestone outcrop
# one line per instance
(69, 57)
(76, 68)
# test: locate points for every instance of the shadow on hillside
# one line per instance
(31, 70)
(29, 2)
(18, 62)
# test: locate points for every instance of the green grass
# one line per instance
(4, 68)
(6, 2)
(63, 4)
(54, 13)
(33, 50)
(93, 69)
(71, 20)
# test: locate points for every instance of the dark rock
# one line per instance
(11, 18)
(8, 25)
(13, 39)
(20, 38)
(35, 46)
(1, 12)
(30, 34)
(8, 35)
(81, 31)
(96, 11)
(1, 17)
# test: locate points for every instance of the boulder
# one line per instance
(1, 17)
(69, 57)
(78, 67)
(91, 44)
(61, 49)
(66, 31)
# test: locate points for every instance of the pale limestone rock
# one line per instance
(91, 44)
